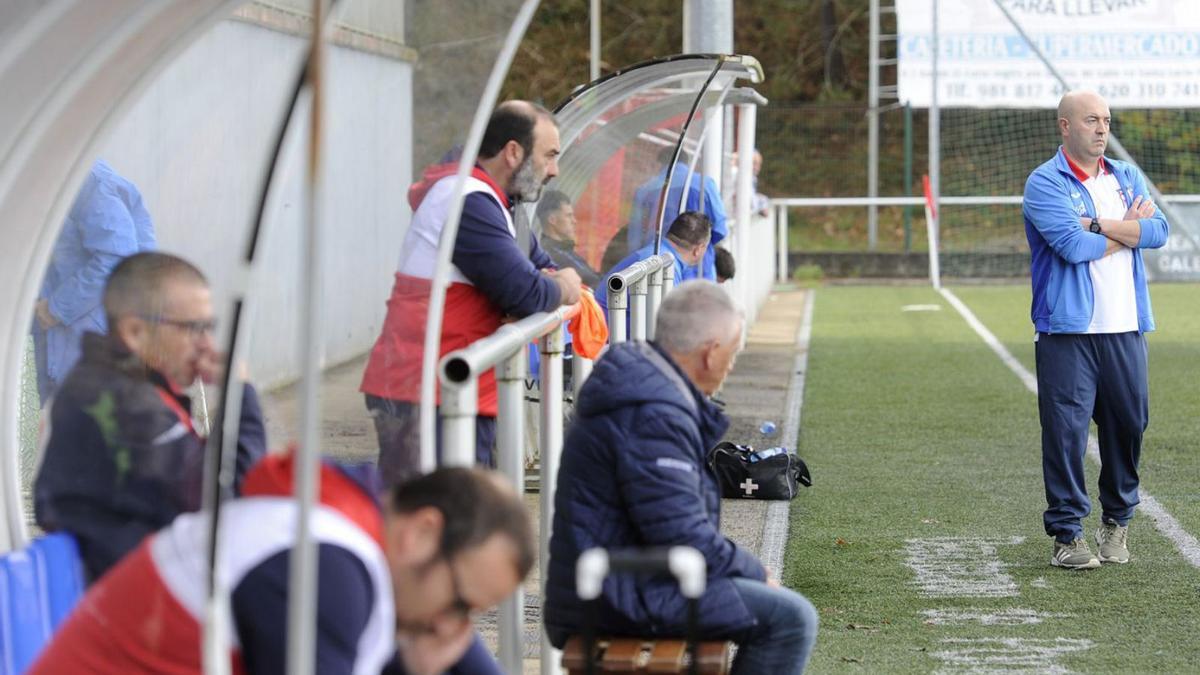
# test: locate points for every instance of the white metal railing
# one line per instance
(636, 292)
(459, 372)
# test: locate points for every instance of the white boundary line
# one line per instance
(1163, 520)
(775, 525)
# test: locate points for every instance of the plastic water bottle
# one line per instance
(767, 428)
(763, 454)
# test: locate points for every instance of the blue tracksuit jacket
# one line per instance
(703, 196)
(1060, 249)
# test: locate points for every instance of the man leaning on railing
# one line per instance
(492, 279)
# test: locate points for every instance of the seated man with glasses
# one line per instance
(122, 456)
(397, 583)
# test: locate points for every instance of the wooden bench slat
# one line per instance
(622, 655)
(572, 657)
(636, 655)
(667, 656)
(714, 658)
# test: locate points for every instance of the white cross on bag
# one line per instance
(749, 486)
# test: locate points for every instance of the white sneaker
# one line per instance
(1113, 541)
(1074, 556)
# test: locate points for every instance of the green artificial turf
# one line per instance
(1170, 466)
(914, 429)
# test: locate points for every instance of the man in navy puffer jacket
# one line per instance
(634, 474)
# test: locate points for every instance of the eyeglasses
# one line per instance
(193, 327)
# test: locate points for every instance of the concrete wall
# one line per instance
(197, 142)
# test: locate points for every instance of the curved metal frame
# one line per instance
(670, 168)
(441, 274)
(591, 153)
(590, 102)
(51, 131)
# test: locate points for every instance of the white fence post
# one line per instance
(510, 460)
(460, 405)
(781, 218)
(551, 348)
(653, 300)
(747, 117)
(637, 310)
(618, 301)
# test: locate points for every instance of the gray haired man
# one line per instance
(634, 474)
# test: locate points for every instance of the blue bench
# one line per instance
(39, 586)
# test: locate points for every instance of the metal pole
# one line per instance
(708, 26)
(653, 300)
(441, 271)
(637, 310)
(460, 405)
(745, 193)
(668, 282)
(908, 175)
(302, 564)
(873, 129)
(551, 438)
(935, 162)
(617, 304)
(594, 51)
(510, 456)
(712, 162)
(781, 219)
(708, 29)
(581, 368)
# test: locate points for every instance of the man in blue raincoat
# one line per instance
(107, 222)
(703, 196)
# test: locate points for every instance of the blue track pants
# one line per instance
(1084, 377)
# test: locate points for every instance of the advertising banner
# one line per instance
(1135, 53)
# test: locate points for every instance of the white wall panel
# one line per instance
(196, 144)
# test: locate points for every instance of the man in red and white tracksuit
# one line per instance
(492, 278)
(395, 587)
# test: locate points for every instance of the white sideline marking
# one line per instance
(1007, 655)
(1013, 616)
(775, 526)
(1187, 544)
(921, 308)
(961, 567)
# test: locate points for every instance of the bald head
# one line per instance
(512, 121)
(1083, 121)
(1073, 101)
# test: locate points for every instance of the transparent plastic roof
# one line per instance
(188, 135)
(620, 134)
(588, 103)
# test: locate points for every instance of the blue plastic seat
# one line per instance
(63, 568)
(38, 588)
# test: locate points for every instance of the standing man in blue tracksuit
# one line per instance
(107, 222)
(1087, 218)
